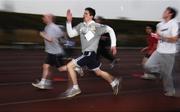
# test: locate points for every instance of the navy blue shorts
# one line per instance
(55, 60)
(89, 59)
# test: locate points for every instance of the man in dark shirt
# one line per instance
(105, 42)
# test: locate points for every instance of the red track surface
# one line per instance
(18, 68)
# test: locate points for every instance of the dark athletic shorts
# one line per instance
(88, 58)
(55, 60)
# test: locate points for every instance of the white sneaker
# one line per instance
(170, 93)
(42, 86)
(70, 93)
(148, 76)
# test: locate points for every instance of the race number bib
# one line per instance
(89, 35)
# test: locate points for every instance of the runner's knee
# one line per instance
(46, 66)
(70, 65)
(63, 68)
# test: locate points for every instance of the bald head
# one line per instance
(48, 18)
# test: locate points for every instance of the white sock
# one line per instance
(113, 83)
(76, 86)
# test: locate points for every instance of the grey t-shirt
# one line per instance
(95, 30)
(53, 31)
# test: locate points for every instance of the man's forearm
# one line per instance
(169, 39)
(112, 36)
(70, 31)
(46, 37)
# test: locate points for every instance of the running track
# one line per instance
(19, 68)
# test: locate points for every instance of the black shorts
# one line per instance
(55, 60)
(88, 59)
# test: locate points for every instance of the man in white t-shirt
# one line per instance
(162, 60)
(178, 43)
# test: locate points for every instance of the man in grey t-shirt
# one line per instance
(51, 35)
(90, 33)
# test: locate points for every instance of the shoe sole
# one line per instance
(40, 87)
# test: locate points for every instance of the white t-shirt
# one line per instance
(178, 45)
(167, 29)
